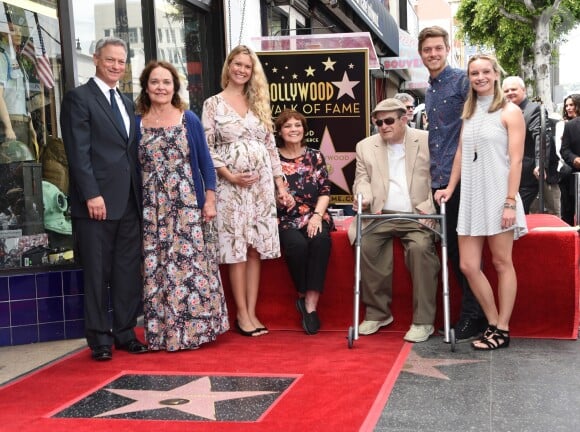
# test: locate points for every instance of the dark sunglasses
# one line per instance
(410, 107)
(388, 121)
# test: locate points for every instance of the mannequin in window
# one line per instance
(14, 115)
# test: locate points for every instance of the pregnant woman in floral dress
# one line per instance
(238, 129)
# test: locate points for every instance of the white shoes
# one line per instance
(419, 333)
(369, 327)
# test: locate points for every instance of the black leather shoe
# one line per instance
(468, 329)
(310, 320)
(101, 353)
(133, 347)
(312, 323)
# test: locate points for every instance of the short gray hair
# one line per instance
(514, 79)
(110, 40)
(405, 98)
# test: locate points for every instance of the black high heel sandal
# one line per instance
(496, 339)
(244, 332)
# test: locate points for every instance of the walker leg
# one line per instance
(350, 337)
(452, 339)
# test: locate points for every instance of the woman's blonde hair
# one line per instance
(498, 97)
(256, 89)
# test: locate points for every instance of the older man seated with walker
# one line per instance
(392, 174)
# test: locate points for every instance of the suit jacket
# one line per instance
(532, 117)
(102, 159)
(570, 149)
(372, 174)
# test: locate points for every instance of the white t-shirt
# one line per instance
(398, 198)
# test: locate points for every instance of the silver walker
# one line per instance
(449, 333)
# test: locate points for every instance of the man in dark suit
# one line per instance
(514, 90)
(98, 128)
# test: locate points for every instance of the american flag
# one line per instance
(40, 62)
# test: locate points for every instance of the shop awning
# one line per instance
(379, 20)
(318, 42)
(408, 64)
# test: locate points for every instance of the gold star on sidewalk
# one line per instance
(418, 365)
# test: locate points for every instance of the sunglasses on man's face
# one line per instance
(388, 121)
(410, 107)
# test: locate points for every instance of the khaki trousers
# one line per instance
(377, 269)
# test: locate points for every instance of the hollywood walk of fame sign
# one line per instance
(330, 87)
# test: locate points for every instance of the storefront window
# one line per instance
(185, 34)
(95, 19)
(35, 223)
(35, 228)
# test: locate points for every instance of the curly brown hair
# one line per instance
(143, 102)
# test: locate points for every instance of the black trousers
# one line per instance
(110, 254)
(528, 194)
(567, 199)
(307, 258)
(470, 308)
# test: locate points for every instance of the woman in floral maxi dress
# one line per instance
(184, 304)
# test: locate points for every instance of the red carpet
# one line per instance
(334, 388)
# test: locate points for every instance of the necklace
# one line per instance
(159, 116)
(482, 105)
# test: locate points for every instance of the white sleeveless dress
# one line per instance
(484, 181)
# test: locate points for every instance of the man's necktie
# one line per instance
(117, 112)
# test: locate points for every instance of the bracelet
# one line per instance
(509, 206)
(512, 198)
(316, 213)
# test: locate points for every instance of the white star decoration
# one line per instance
(328, 64)
(345, 86)
(335, 161)
(309, 71)
(196, 397)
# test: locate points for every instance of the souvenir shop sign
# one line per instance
(330, 88)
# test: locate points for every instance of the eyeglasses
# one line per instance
(388, 121)
(410, 107)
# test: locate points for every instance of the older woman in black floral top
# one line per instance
(304, 223)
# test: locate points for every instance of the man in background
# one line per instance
(514, 90)
(409, 102)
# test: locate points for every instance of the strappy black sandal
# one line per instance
(497, 339)
(488, 332)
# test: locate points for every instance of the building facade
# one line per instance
(47, 47)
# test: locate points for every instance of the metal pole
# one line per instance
(577, 197)
(542, 160)
(357, 276)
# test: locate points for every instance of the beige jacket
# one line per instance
(372, 174)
